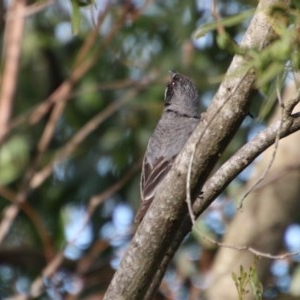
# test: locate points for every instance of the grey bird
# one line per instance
(179, 118)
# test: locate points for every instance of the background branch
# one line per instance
(57, 103)
(11, 57)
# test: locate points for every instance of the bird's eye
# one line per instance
(175, 79)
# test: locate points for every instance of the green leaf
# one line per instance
(14, 155)
(224, 41)
(76, 17)
(227, 22)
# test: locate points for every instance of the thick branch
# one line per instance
(240, 160)
(165, 216)
(268, 210)
(220, 180)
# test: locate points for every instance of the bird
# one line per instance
(179, 118)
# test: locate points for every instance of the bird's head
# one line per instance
(181, 95)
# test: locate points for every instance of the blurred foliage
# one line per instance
(132, 50)
(13, 156)
(246, 280)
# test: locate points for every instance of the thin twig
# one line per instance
(40, 176)
(188, 187)
(276, 144)
(91, 39)
(35, 219)
(113, 85)
(247, 248)
(216, 16)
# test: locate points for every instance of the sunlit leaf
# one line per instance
(14, 155)
(226, 22)
(76, 17)
(76, 14)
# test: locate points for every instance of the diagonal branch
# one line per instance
(40, 176)
(151, 243)
(217, 183)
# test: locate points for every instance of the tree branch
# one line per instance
(12, 51)
(150, 250)
(217, 183)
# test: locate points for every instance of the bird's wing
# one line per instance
(151, 178)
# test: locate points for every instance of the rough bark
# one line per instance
(222, 177)
(153, 244)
